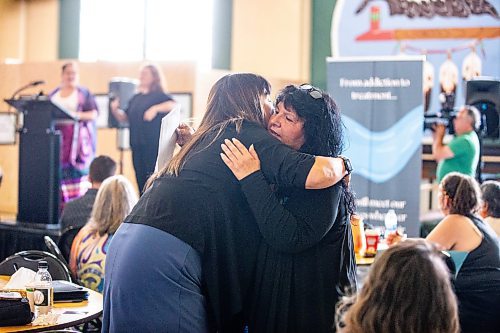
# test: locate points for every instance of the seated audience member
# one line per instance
(462, 153)
(490, 210)
(77, 212)
(477, 284)
(114, 201)
(407, 290)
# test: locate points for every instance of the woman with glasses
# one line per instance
(183, 259)
(306, 259)
(477, 284)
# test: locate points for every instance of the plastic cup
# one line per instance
(372, 239)
(358, 234)
(30, 289)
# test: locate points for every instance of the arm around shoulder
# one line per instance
(325, 172)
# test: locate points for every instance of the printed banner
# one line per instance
(460, 39)
(382, 106)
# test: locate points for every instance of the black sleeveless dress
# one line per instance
(477, 285)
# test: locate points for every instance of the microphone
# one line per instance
(36, 83)
(31, 84)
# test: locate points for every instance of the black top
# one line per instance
(76, 213)
(306, 260)
(205, 207)
(145, 132)
(478, 284)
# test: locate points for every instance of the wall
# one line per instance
(269, 38)
(181, 77)
(29, 29)
(272, 38)
(12, 22)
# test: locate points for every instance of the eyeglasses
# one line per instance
(313, 92)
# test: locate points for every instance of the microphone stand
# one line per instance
(26, 86)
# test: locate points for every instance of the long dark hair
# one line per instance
(323, 126)
(157, 84)
(464, 193)
(232, 99)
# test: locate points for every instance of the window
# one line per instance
(163, 30)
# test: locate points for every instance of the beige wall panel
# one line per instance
(181, 77)
(42, 30)
(12, 34)
(272, 38)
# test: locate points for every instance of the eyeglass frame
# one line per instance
(312, 91)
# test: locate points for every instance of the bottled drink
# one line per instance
(44, 294)
(391, 222)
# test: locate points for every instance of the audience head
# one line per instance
(319, 115)
(467, 119)
(459, 194)
(151, 79)
(69, 74)
(232, 99)
(114, 201)
(102, 167)
(408, 289)
(490, 191)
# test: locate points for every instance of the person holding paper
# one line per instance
(477, 283)
(192, 237)
(78, 143)
(144, 115)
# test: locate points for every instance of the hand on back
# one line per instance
(240, 160)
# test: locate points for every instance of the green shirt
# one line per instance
(465, 149)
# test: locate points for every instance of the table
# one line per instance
(71, 314)
(364, 261)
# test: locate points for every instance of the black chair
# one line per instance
(54, 249)
(30, 259)
(66, 240)
(67, 330)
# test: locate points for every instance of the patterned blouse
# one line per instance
(88, 257)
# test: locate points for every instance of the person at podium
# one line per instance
(78, 142)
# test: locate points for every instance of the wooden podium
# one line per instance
(39, 159)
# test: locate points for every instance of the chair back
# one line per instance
(30, 259)
(66, 240)
(54, 249)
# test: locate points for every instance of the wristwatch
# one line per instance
(347, 163)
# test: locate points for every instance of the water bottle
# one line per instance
(391, 222)
(43, 296)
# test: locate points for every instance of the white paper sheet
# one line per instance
(168, 136)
